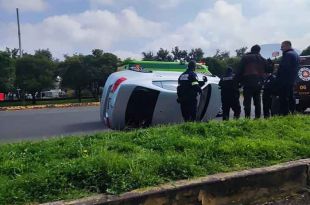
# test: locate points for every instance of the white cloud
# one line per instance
(24, 5)
(225, 27)
(82, 32)
(101, 2)
(167, 4)
(162, 4)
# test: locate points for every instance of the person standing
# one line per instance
(187, 92)
(268, 90)
(286, 78)
(230, 94)
(250, 76)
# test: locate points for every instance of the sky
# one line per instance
(129, 27)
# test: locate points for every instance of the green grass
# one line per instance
(116, 162)
(51, 102)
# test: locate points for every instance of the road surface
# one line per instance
(44, 123)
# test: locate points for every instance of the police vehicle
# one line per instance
(302, 88)
(144, 93)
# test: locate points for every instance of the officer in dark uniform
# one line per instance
(268, 90)
(187, 92)
(250, 75)
(286, 77)
(230, 94)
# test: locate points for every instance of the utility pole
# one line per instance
(19, 39)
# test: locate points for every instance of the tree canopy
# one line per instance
(148, 56)
(7, 71)
(90, 72)
(34, 74)
(306, 52)
(178, 54)
(241, 51)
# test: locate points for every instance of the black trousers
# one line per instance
(287, 99)
(189, 110)
(275, 106)
(267, 104)
(230, 102)
(249, 93)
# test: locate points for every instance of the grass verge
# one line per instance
(116, 162)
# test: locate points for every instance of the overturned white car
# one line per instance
(145, 94)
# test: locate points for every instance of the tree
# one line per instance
(163, 55)
(97, 52)
(306, 52)
(74, 74)
(179, 54)
(43, 53)
(126, 61)
(33, 74)
(13, 52)
(232, 62)
(241, 51)
(102, 66)
(148, 56)
(196, 54)
(7, 74)
(176, 53)
(216, 66)
(221, 55)
(87, 72)
(183, 55)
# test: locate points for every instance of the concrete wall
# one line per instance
(253, 186)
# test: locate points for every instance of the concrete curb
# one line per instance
(251, 186)
(33, 107)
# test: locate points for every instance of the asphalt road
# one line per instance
(44, 123)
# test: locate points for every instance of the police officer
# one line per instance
(187, 91)
(250, 75)
(230, 94)
(268, 90)
(286, 78)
